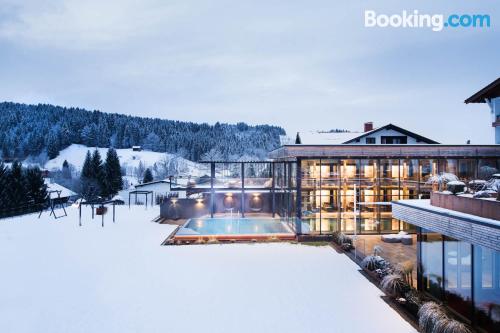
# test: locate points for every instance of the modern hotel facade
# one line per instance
(347, 187)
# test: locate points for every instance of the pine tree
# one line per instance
(4, 175)
(16, 187)
(89, 185)
(112, 170)
(298, 140)
(66, 172)
(36, 189)
(53, 145)
(99, 175)
(148, 176)
(87, 166)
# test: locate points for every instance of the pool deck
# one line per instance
(175, 239)
(192, 239)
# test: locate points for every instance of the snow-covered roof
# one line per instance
(394, 128)
(65, 192)
(312, 137)
(166, 181)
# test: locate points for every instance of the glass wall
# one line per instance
(457, 272)
(331, 187)
(431, 265)
(486, 288)
(465, 277)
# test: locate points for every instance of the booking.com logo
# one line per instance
(436, 22)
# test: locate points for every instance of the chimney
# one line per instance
(368, 126)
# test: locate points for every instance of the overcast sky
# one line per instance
(301, 65)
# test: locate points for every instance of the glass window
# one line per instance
(409, 179)
(457, 272)
(431, 247)
(427, 168)
(448, 166)
(487, 288)
(258, 175)
(466, 169)
(227, 175)
(487, 167)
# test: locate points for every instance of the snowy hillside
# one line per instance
(129, 159)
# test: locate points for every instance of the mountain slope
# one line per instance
(28, 130)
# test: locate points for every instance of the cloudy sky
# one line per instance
(299, 64)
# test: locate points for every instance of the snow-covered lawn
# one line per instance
(58, 277)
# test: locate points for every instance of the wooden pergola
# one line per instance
(102, 204)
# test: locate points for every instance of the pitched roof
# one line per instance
(325, 138)
(65, 192)
(395, 128)
(492, 90)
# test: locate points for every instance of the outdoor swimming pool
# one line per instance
(233, 226)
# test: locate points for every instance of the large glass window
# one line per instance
(448, 166)
(427, 169)
(466, 170)
(258, 175)
(487, 288)
(431, 248)
(487, 167)
(227, 175)
(409, 179)
(457, 272)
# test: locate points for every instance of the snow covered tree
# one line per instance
(66, 171)
(112, 170)
(53, 145)
(148, 176)
(152, 142)
(139, 171)
(30, 129)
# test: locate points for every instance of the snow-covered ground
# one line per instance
(129, 159)
(59, 277)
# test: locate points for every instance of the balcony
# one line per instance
(487, 208)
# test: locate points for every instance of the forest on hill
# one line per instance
(32, 130)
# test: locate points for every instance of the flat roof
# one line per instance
(492, 90)
(385, 151)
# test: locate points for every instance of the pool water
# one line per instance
(235, 226)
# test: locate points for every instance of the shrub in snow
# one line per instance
(432, 318)
(370, 263)
(428, 315)
(394, 285)
(347, 246)
(413, 299)
(442, 179)
(494, 185)
(477, 184)
(448, 325)
(481, 194)
(341, 238)
(373, 263)
(455, 186)
(377, 250)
